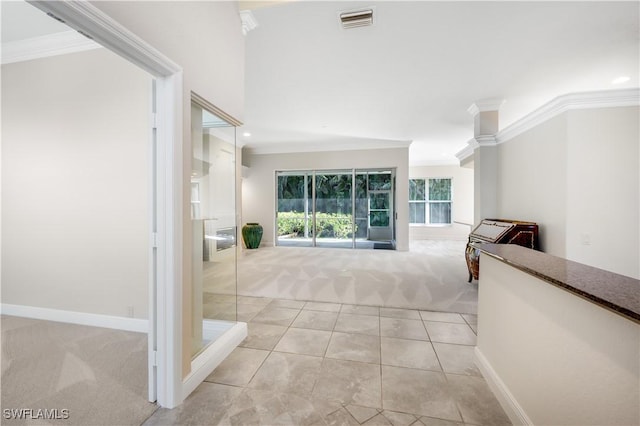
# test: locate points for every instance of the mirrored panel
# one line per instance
(213, 223)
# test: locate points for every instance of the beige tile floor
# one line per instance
(312, 363)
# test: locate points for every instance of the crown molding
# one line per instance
(492, 104)
(467, 151)
(292, 148)
(44, 46)
(560, 104)
(486, 140)
(571, 101)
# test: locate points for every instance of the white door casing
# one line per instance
(165, 296)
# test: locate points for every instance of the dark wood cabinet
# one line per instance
(499, 231)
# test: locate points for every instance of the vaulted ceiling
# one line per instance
(411, 77)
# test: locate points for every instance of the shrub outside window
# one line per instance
(430, 201)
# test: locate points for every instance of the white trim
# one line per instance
(45, 46)
(169, 254)
(212, 356)
(571, 101)
(86, 18)
(89, 20)
(484, 105)
(212, 329)
(467, 151)
(83, 318)
(583, 100)
(486, 140)
(506, 399)
(323, 146)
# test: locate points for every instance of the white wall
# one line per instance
(603, 189)
(532, 180)
(462, 206)
(203, 37)
(553, 358)
(258, 186)
(75, 176)
(556, 173)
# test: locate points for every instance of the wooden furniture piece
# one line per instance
(499, 231)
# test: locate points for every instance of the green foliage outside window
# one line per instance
(417, 189)
(439, 189)
(328, 225)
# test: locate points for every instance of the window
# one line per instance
(430, 201)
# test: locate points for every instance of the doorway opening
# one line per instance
(345, 208)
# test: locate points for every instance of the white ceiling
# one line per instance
(22, 21)
(411, 77)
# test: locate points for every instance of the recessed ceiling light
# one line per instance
(246, 134)
(621, 79)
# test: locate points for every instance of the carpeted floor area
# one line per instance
(96, 376)
(431, 276)
(87, 375)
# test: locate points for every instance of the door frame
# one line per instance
(165, 268)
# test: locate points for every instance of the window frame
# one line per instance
(427, 202)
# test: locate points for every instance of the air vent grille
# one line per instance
(358, 18)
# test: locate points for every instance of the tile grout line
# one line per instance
(380, 364)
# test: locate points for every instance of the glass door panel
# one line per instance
(336, 208)
(294, 211)
(334, 225)
(362, 210)
(379, 209)
(379, 189)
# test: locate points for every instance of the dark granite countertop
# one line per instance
(612, 291)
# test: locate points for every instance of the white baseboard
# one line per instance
(212, 356)
(511, 407)
(82, 318)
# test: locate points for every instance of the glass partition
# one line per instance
(213, 224)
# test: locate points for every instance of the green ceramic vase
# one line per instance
(252, 234)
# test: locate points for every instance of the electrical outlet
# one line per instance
(585, 239)
(130, 311)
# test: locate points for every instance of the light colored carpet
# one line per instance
(431, 276)
(98, 375)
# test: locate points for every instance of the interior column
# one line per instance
(485, 158)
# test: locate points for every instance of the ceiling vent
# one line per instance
(356, 18)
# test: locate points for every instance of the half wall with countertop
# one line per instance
(558, 341)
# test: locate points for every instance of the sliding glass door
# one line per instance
(350, 208)
(334, 225)
(294, 222)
